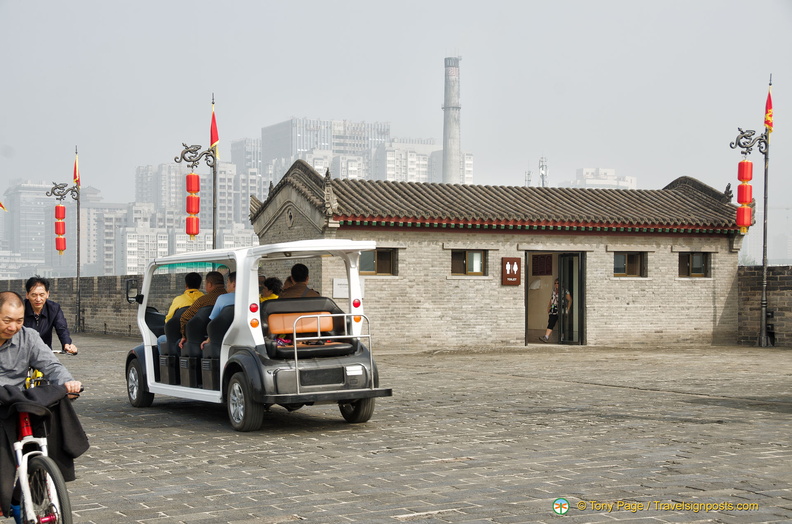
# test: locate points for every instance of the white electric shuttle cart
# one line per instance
(292, 352)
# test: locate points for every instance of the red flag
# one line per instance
(213, 136)
(3, 207)
(769, 112)
(76, 171)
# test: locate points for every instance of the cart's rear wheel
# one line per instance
(355, 411)
(244, 413)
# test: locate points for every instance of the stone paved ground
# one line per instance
(490, 437)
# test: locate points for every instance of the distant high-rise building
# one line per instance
(436, 167)
(136, 246)
(162, 185)
(29, 223)
(284, 143)
(403, 160)
(347, 166)
(250, 179)
(602, 178)
(246, 154)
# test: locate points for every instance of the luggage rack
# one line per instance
(306, 340)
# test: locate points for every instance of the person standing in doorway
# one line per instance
(552, 309)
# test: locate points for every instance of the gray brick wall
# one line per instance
(103, 300)
(425, 306)
(662, 308)
(779, 301)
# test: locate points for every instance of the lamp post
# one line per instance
(60, 192)
(746, 141)
(192, 156)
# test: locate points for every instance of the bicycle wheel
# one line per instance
(47, 492)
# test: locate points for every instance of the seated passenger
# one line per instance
(215, 286)
(299, 274)
(223, 301)
(192, 291)
(271, 288)
(227, 299)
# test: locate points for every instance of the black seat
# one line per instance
(173, 334)
(195, 332)
(155, 321)
(216, 330)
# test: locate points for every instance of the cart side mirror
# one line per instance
(132, 289)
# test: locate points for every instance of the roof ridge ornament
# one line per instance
(330, 200)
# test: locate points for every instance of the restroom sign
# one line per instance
(510, 271)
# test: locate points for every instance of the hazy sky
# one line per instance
(653, 89)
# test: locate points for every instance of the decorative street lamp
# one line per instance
(192, 156)
(60, 192)
(746, 141)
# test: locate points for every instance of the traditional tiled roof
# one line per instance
(684, 205)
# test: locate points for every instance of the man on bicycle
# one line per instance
(21, 348)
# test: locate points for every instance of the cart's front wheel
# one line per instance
(137, 390)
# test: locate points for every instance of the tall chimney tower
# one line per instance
(452, 141)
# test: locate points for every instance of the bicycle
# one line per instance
(43, 495)
(39, 483)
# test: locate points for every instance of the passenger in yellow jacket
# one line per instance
(192, 291)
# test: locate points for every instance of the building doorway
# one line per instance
(570, 278)
(541, 270)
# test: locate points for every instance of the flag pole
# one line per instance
(764, 340)
(77, 191)
(214, 180)
(746, 141)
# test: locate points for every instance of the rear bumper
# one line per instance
(329, 396)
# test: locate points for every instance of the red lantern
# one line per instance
(193, 204)
(745, 171)
(744, 216)
(744, 193)
(192, 226)
(60, 228)
(193, 183)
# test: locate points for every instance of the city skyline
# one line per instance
(652, 90)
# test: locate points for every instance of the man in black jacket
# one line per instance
(44, 315)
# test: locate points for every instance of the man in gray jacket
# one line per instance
(21, 348)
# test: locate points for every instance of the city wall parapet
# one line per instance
(105, 309)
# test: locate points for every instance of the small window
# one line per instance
(694, 265)
(629, 264)
(378, 262)
(468, 262)
(541, 265)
